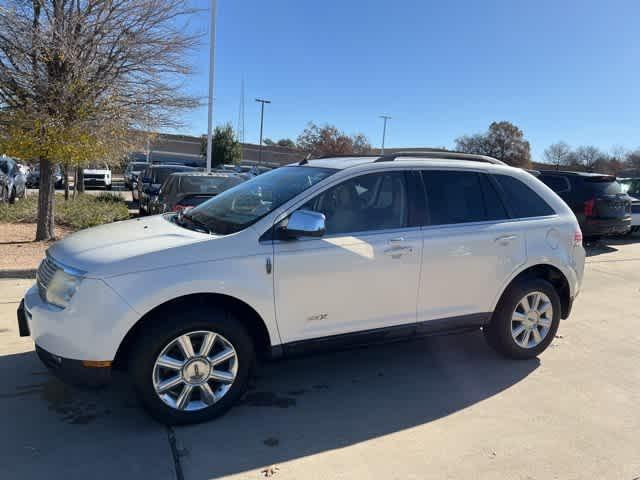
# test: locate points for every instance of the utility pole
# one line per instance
(384, 131)
(262, 102)
(212, 61)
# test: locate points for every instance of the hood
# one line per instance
(128, 246)
(96, 171)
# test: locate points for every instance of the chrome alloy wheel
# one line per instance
(531, 319)
(195, 370)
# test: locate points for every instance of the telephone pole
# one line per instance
(262, 102)
(384, 131)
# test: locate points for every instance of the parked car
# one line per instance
(97, 175)
(150, 181)
(131, 173)
(13, 184)
(597, 200)
(33, 177)
(185, 190)
(325, 253)
(631, 186)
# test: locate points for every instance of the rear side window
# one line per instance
(461, 197)
(556, 183)
(523, 202)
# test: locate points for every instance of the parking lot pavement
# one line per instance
(441, 407)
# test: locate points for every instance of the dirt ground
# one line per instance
(18, 250)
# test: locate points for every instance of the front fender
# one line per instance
(242, 278)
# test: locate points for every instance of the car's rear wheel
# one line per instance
(526, 319)
(12, 195)
(193, 366)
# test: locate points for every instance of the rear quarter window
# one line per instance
(521, 200)
(557, 183)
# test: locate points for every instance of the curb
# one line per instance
(27, 274)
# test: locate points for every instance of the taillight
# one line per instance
(577, 237)
(589, 207)
(178, 208)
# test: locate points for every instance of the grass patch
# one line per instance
(83, 212)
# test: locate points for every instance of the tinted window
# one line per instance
(376, 201)
(207, 184)
(522, 201)
(555, 182)
(602, 184)
(454, 197)
(495, 209)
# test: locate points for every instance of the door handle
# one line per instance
(398, 251)
(505, 239)
(396, 240)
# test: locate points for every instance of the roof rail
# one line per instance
(440, 155)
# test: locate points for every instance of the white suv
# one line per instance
(325, 253)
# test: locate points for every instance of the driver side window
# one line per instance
(377, 201)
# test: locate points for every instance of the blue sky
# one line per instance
(560, 70)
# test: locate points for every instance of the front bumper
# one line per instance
(90, 329)
(74, 371)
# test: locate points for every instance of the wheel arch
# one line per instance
(548, 272)
(246, 314)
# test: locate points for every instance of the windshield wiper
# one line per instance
(196, 223)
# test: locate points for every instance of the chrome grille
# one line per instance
(46, 270)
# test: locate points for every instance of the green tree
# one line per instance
(77, 76)
(226, 147)
(503, 141)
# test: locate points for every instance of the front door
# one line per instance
(363, 274)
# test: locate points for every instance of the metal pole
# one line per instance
(261, 124)
(384, 131)
(212, 61)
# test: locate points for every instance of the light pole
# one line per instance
(262, 102)
(212, 61)
(384, 131)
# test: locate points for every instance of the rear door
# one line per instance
(470, 247)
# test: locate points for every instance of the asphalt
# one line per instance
(438, 408)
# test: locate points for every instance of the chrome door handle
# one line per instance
(398, 251)
(396, 240)
(504, 239)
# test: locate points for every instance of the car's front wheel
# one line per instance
(192, 367)
(526, 319)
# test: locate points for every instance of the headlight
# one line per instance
(62, 287)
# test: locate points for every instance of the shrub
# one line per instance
(83, 212)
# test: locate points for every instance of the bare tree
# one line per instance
(503, 141)
(558, 154)
(588, 157)
(77, 76)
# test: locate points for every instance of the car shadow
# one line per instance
(304, 406)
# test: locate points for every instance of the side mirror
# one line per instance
(305, 223)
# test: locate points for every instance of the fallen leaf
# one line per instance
(270, 471)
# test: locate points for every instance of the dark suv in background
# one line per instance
(598, 201)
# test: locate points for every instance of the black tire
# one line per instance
(109, 187)
(498, 331)
(12, 196)
(168, 326)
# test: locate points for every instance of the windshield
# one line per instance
(137, 166)
(634, 187)
(245, 204)
(207, 184)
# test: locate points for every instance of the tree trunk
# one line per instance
(75, 183)
(66, 182)
(46, 202)
(80, 180)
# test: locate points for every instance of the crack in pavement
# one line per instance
(175, 453)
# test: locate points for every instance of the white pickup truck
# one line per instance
(97, 175)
